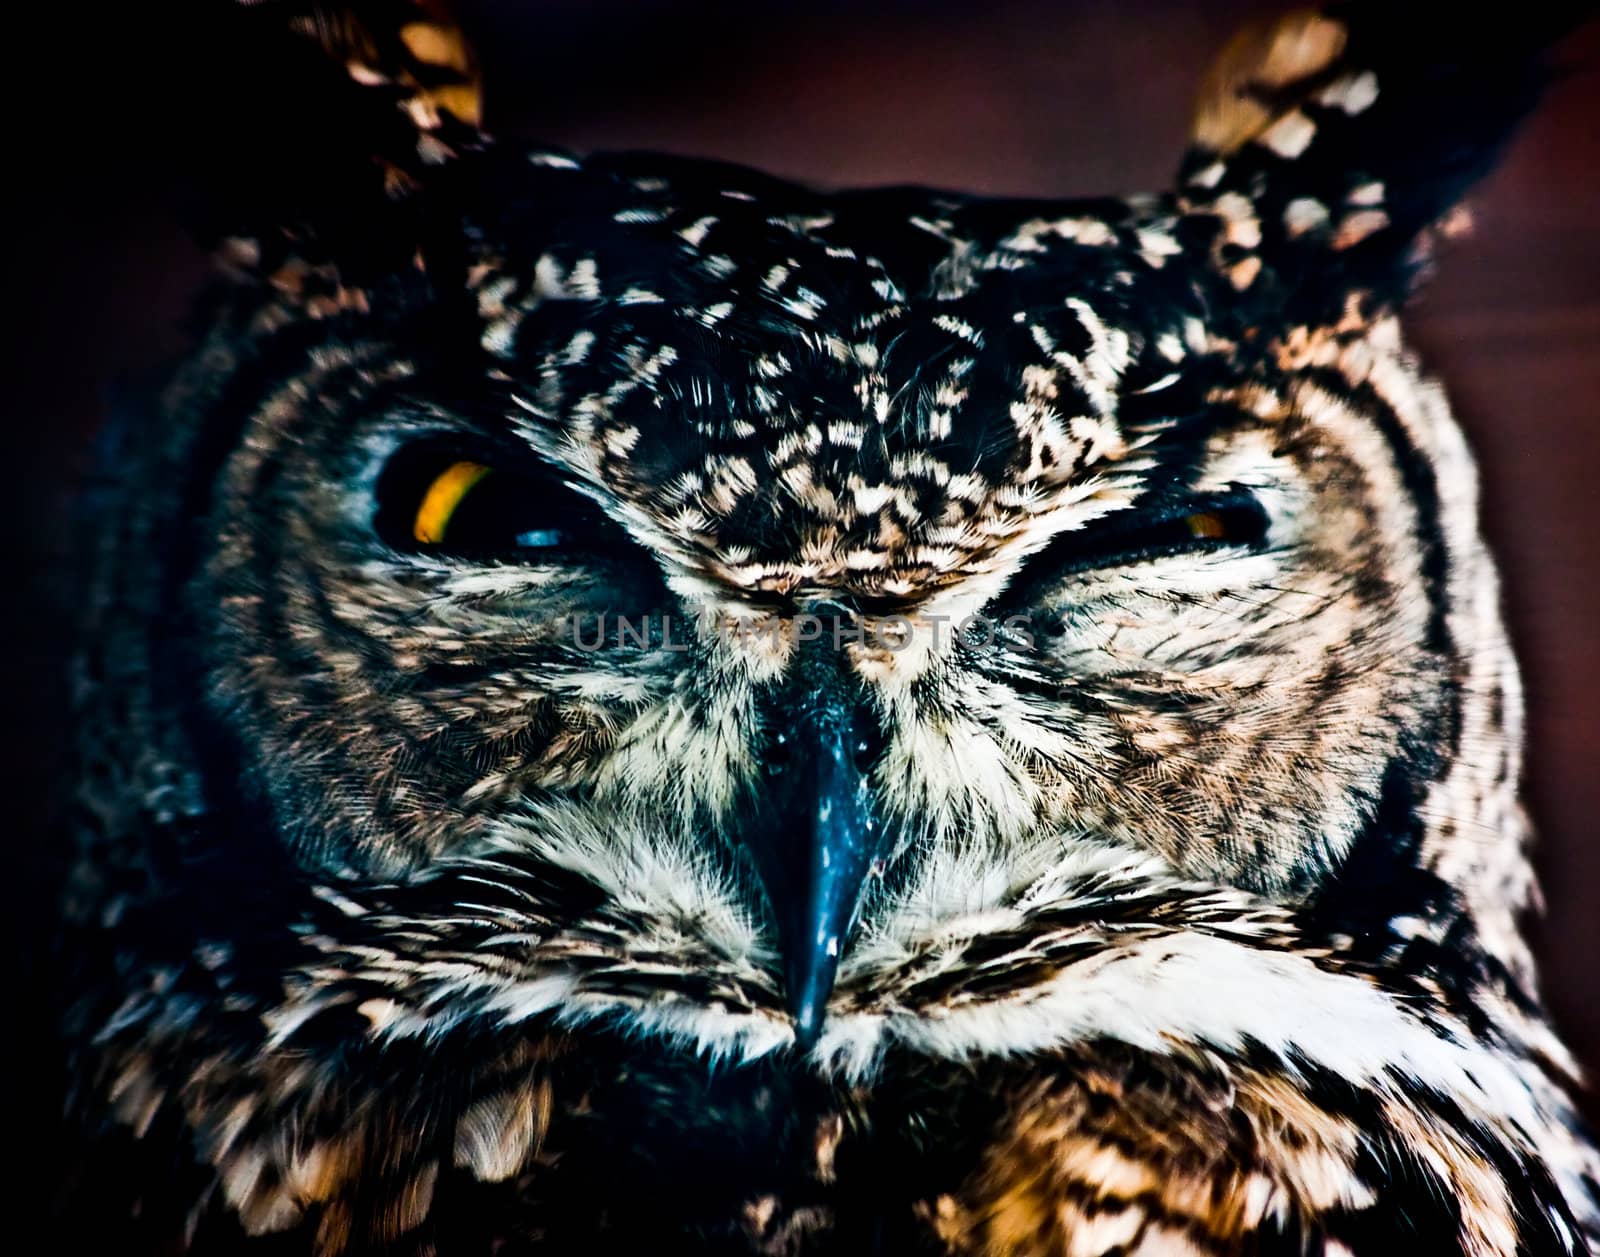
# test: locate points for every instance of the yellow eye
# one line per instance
(448, 490)
(1206, 526)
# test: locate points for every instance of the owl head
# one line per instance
(805, 579)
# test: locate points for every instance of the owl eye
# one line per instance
(437, 500)
(1189, 526)
(443, 499)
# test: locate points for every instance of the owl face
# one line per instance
(822, 545)
(624, 697)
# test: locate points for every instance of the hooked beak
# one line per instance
(818, 834)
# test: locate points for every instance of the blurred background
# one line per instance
(120, 107)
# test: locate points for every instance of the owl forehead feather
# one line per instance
(762, 366)
(757, 367)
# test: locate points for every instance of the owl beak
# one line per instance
(819, 835)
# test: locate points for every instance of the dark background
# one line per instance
(116, 113)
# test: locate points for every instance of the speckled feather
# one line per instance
(404, 924)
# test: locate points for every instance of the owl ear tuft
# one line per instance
(1236, 102)
(1332, 145)
(408, 53)
(335, 130)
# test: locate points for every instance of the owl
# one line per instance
(628, 705)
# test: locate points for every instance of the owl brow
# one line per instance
(1179, 445)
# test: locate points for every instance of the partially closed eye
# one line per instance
(443, 498)
(432, 499)
(1192, 525)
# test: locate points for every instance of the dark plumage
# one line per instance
(1129, 862)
